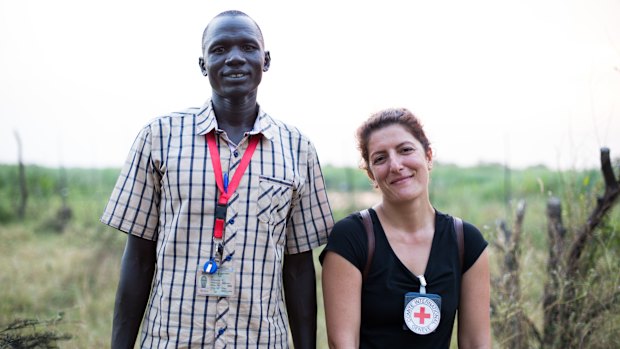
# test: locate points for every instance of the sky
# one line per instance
(519, 83)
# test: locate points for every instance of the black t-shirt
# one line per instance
(383, 292)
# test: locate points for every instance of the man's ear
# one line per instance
(203, 68)
(267, 61)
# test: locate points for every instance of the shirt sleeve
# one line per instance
(474, 245)
(311, 217)
(348, 239)
(134, 204)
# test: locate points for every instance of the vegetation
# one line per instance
(581, 283)
(59, 259)
(24, 334)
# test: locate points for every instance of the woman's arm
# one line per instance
(342, 296)
(474, 322)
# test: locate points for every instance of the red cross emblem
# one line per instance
(422, 315)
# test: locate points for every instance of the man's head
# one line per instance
(234, 56)
(231, 13)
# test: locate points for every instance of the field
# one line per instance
(59, 266)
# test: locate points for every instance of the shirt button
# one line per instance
(231, 221)
(236, 154)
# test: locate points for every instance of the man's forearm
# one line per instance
(300, 292)
(134, 287)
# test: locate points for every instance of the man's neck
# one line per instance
(236, 116)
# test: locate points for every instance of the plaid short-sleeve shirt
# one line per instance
(166, 192)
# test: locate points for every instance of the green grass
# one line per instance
(45, 272)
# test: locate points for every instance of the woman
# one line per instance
(415, 283)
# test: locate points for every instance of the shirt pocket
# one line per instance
(274, 200)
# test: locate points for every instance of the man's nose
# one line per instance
(235, 56)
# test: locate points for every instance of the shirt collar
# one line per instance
(206, 122)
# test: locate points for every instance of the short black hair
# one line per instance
(232, 13)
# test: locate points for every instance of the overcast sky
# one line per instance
(513, 82)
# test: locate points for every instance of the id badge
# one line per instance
(221, 283)
(422, 312)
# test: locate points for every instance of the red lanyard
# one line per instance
(227, 189)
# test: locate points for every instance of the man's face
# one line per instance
(234, 56)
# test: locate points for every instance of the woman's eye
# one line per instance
(378, 160)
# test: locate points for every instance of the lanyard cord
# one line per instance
(226, 191)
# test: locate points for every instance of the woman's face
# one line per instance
(398, 164)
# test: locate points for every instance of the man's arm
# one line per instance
(134, 287)
(300, 293)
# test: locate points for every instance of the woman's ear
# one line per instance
(372, 177)
(429, 158)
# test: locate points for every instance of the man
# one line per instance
(222, 205)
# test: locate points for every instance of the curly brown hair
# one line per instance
(387, 117)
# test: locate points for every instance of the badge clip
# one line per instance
(210, 267)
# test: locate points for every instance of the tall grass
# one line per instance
(45, 272)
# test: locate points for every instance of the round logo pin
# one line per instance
(422, 315)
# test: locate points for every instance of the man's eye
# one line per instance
(249, 48)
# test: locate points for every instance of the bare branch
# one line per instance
(603, 205)
(534, 329)
(608, 171)
(21, 209)
(556, 233)
(518, 227)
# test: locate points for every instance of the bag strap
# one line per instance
(370, 233)
(458, 227)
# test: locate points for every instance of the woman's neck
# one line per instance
(411, 217)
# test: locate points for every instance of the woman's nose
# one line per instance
(395, 164)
